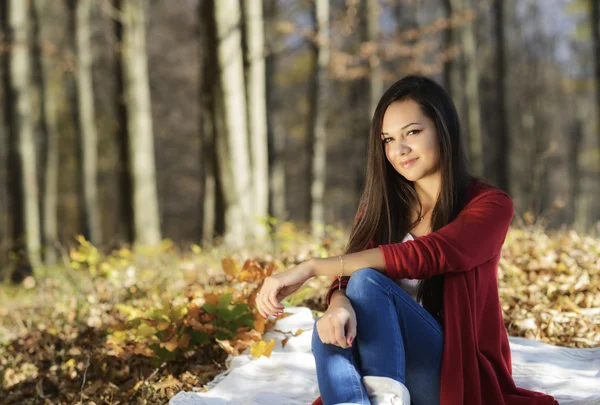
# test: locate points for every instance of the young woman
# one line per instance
(414, 314)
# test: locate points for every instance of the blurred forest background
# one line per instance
(161, 158)
(129, 121)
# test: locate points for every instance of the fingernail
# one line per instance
(350, 340)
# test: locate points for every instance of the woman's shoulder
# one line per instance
(484, 192)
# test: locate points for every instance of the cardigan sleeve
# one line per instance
(475, 236)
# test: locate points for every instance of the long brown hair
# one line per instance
(384, 206)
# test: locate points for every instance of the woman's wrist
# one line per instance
(338, 297)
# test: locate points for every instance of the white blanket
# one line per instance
(289, 377)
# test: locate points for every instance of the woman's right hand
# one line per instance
(338, 325)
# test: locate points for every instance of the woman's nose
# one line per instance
(402, 148)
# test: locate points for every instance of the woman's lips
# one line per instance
(409, 163)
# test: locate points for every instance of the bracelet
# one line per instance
(341, 272)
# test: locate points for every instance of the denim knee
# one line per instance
(316, 340)
(359, 280)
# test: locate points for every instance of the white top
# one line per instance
(408, 284)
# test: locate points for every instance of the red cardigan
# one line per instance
(476, 360)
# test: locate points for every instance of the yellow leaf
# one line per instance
(81, 240)
(259, 325)
(168, 382)
(163, 326)
(145, 330)
(196, 249)
(171, 345)
(138, 385)
(230, 266)
(262, 348)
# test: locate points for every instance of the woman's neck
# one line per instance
(428, 189)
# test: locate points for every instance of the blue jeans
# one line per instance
(396, 337)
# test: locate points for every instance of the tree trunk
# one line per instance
(25, 211)
(139, 122)
(257, 110)
(595, 26)
(4, 146)
(316, 140)
(502, 152)
(472, 94)
(275, 133)
(375, 70)
(232, 149)
(51, 80)
(573, 165)
(453, 76)
(125, 206)
(87, 124)
(207, 123)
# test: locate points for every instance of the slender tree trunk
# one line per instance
(468, 36)
(574, 149)
(26, 214)
(232, 149)
(206, 124)
(87, 124)
(502, 169)
(51, 80)
(453, 76)
(375, 71)
(275, 134)
(139, 123)
(316, 140)
(4, 146)
(257, 108)
(125, 208)
(595, 26)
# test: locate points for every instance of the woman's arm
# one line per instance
(475, 236)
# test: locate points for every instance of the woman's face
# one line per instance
(410, 136)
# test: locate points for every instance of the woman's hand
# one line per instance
(338, 325)
(280, 285)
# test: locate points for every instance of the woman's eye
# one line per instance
(416, 131)
(385, 140)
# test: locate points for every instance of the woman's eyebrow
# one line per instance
(406, 126)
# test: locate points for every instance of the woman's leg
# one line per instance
(396, 337)
(337, 373)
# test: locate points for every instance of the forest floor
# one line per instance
(139, 326)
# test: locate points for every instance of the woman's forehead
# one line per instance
(400, 114)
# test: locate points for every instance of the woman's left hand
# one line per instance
(280, 285)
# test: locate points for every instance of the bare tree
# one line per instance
(232, 148)
(276, 134)
(595, 26)
(502, 151)
(24, 189)
(453, 67)
(142, 169)
(316, 139)
(86, 121)
(473, 114)
(257, 109)
(375, 71)
(47, 15)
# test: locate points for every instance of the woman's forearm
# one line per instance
(331, 266)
